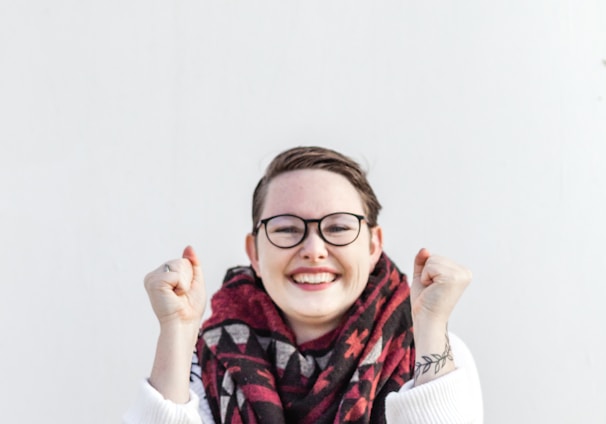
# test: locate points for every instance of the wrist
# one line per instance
(179, 329)
(430, 324)
(429, 319)
(433, 355)
(172, 363)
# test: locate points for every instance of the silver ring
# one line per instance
(167, 268)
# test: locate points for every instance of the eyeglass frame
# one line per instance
(306, 226)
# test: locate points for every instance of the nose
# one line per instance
(313, 247)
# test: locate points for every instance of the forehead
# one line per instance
(311, 193)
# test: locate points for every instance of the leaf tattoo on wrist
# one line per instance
(434, 360)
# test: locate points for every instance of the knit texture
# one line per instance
(254, 372)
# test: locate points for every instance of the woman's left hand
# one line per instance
(437, 285)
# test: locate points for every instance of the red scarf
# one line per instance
(254, 372)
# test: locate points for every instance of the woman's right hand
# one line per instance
(178, 296)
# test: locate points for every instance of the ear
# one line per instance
(376, 245)
(251, 251)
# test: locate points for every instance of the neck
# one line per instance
(305, 332)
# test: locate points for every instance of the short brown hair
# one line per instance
(314, 157)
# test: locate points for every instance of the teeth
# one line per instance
(323, 277)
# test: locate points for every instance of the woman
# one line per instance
(319, 328)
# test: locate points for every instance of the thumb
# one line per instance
(190, 254)
(420, 261)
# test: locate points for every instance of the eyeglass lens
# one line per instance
(288, 230)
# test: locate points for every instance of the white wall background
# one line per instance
(130, 129)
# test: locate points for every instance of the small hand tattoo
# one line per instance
(436, 360)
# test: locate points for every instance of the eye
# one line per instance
(291, 229)
(340, 225)
(285, 225)
(336, 228)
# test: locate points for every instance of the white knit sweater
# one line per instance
(453, 398)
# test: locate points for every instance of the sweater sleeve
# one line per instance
(151, 407)
(452, 399)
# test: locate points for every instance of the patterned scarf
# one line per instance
(254, 372)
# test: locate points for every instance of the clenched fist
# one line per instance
(437, 285)
(176, 290)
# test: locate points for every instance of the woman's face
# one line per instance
(314, 283)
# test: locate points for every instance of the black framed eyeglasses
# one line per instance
(286, 231)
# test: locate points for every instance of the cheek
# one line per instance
(360, 279)
(261, 266)
(271, 262)
(360, 266)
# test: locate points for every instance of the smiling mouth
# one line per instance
(315, 278)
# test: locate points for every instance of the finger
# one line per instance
(420, 261)
(444, 270)
(190, 254)
(177, 274)
(159, 279)
(167, 267)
